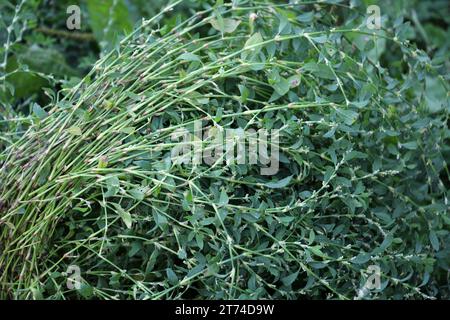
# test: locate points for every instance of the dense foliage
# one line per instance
(363, 179)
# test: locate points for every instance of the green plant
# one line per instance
(363, 177)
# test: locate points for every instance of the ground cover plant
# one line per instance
(362, 180)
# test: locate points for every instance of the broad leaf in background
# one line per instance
(109, 20)
(436, 97)
(28, 70)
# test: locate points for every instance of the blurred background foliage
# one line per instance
(39, 56)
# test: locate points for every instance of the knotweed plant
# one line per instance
(362, 178)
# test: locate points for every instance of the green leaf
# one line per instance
(127, 130)
(182, 254)
(124, 215)
(39, 112)
(328, 174)
(37, 293)
(160, 219)
(47, 61)
(286, 220)
(198, 97)
(349, 116)
(223, 199)
(316, 250)
(225, 25)
(218, 23)
(319, 70)
(109, 19)
(245, 93)
(434, 240)
(279, 184)
(112, 185)
(294, 81)
(374, 47)
(133, 96)
(219, 115)
(412, 145)
(137, 194)
(219, 3)
(282, 86)
(355, 155)
(361, 258)
(199, 240)
(188, 56)
(436, 96)
(172, 276)
(27, 70)
(320, 39)
(312, 236)
(102, 162)
(288, 280)
(306, 17)
(384, 245)
(136, 246)
(74, 130)
(86, 290)
(252, 46)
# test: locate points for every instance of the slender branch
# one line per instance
(67, 34)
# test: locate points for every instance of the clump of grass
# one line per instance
(362, 180)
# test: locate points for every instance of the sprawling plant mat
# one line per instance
(362, 181)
